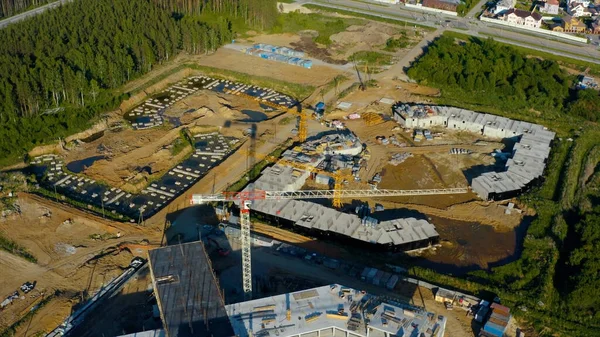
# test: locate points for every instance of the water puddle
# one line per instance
(79, 166)
(469, 246)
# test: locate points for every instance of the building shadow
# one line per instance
(186, 224)
(122, 313)
(398, 213)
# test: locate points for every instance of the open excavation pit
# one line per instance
(210, 150)
(151, 113)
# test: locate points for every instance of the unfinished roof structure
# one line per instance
(187, 293)
(403, 234)
(332, 310)
(280, 178)
(398, 234)
(337, 143)
(528, 159)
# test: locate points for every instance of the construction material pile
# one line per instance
(399, 158)
(280, 54)
(460, 151)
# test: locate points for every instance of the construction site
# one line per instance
(361, 172)
(328, 310)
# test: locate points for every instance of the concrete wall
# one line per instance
(479, 189)
(474, 127)
(537, 30)
(430, 121)
(429, 9)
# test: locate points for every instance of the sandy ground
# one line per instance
(132, 153)
(128, 154)
(370, 37)
(226, 58)
(64, 248)
(284, 40)
(61, 239)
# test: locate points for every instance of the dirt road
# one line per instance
(443, 149)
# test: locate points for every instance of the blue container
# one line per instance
(494, 329)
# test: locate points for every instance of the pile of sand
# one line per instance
(371, 34)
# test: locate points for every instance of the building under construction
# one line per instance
(526, 162)
(314, 219)
(187, 292)
(332, 310)
(190, 304)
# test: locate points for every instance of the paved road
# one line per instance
(397, 70)
(30, 13)
(468, 26)
(476, 9)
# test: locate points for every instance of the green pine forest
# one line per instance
(76, 56)
(555, 282)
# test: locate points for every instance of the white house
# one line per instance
(550, 7)
(504, 5)
(578, 9)
(522, 18)
(585, 3)
(392, 2)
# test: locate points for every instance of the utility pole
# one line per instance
(102, 202)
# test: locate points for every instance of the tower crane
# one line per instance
(245, 198)
(337, 176)
(302, 123)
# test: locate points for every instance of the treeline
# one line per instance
(12, 7)
(554, 283)
(255, 13)
(586, 105)
(493, 74)
(584, 263)
(73, 56)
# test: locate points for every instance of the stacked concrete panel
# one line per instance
(333, 310)
(530, 152)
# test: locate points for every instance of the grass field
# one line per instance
(351, 12)
(325, 25)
